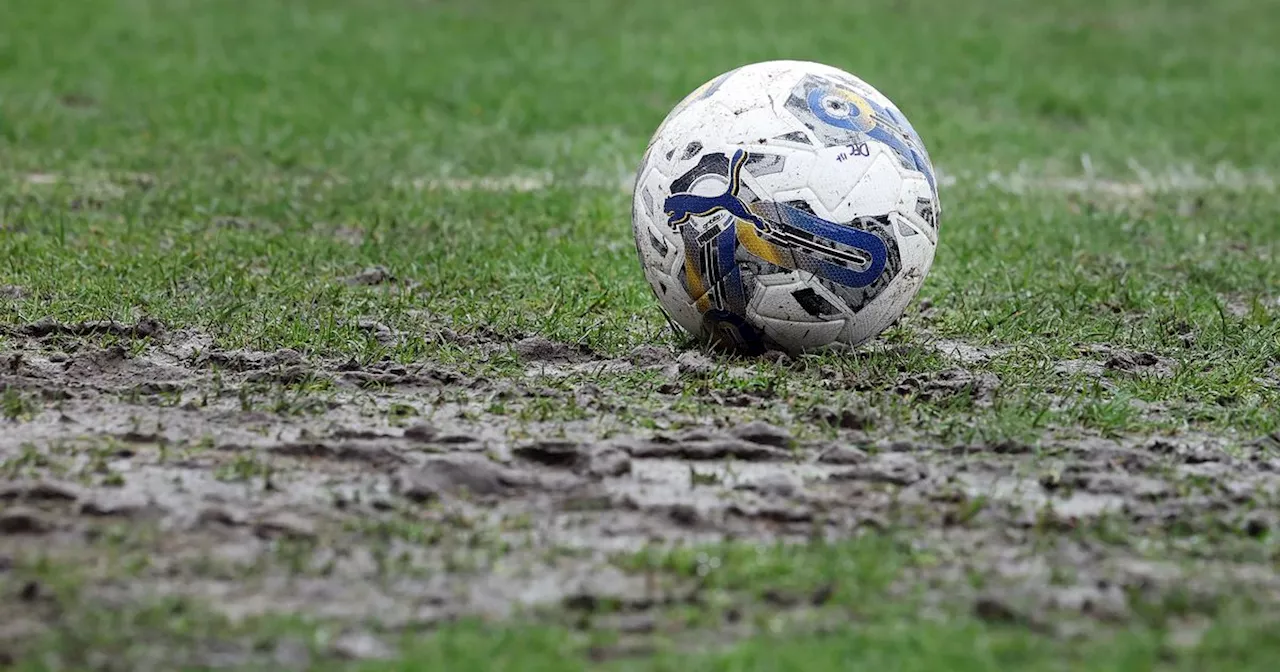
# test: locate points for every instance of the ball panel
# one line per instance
(876, 192)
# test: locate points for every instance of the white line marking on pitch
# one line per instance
(1146, 182)
(1184, 179)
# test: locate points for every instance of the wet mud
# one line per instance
(268, 483)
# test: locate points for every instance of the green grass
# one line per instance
(211, 177)
(226, 166)
(962, 645)
(263, 164)
(832, 607)
(864, 619)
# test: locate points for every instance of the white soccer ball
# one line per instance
(785, 204)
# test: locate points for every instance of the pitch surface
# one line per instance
(322, 335)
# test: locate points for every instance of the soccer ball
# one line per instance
(788, 205)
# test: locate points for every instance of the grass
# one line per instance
(845, 609)
(956, 645)
(233, 166)
(831, 607)
(260, 179)
(101, 638)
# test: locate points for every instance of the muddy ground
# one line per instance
(387, 497)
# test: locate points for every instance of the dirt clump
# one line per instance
(374, 275)
(143, 328)
(764, 434)
(981, 386)
(540, 349)
(444, 477)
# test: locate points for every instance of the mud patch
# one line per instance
(460, 476)
(1101, 360)
(539, 349)
(47, 327)
(965, 353)
(374, 275)
(980, 387)
(398, 495)
(553, 359)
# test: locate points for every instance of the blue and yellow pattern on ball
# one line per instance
(842, 108)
